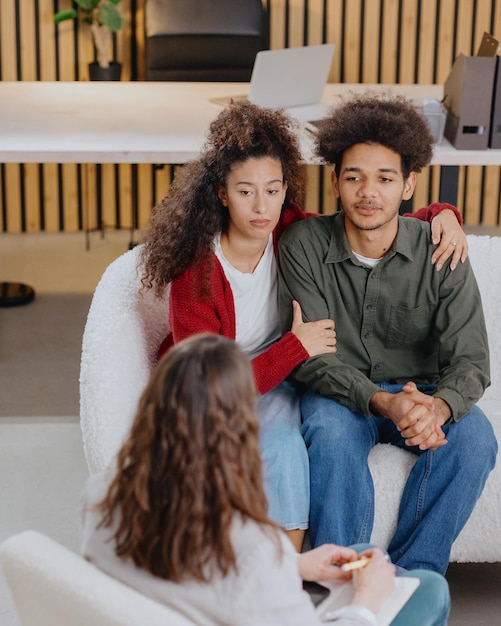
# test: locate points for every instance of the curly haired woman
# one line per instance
(213, 238)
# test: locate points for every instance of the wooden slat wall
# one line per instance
(377, 41)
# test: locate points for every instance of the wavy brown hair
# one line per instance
(190, 464)
(183, 225)
(380, 118)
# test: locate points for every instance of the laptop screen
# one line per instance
(290, 77)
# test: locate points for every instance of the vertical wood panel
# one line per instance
(371, 60)
(407, 43)
(334, 29)
(490, 214)
(463, 33)
(163, 177)
(108, 197)
(472, 208)
(8, 43)
(316, 20)
(51, 197)
(31, 184)
(445, 40)
(483, 14)
(352, 40)
(420, 196)
(69, 184)
(125, 186)
(13, 197)
(145, 198)
(330, 202)
(296, 23)
(277, 24)
(426, 41)
(311, 196)
(389, 42)
(66, 50)
(27, 38)
(47, 50)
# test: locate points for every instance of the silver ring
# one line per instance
(453, 243)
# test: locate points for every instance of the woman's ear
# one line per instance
(223, 196)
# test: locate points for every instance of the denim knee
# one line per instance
(476, 427)
(328, 420)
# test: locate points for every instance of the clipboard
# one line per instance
(329, 596)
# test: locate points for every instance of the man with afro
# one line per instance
(412, 355)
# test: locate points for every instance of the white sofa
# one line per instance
(124, 330)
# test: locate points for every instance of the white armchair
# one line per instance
(52, 586)
(122, 334)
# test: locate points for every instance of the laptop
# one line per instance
(292, 79)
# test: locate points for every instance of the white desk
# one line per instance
(143, 122)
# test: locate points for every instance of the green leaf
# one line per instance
(87, 5)
(115, 1)
(111, 16)
(69, 14)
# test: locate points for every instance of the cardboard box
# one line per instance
(495, 131)
(468, 98)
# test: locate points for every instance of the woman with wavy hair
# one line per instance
(183, 518)
(213, 239)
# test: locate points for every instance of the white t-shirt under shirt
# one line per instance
(256, 302)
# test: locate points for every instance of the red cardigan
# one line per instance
(189, 314)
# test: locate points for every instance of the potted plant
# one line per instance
(104, 17)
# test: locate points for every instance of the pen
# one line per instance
(347, 567)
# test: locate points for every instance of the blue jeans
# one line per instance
(429, 605)
(285, 459)
(438, 498)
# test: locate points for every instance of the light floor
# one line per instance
(42, 467)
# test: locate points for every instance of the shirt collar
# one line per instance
(339, 248)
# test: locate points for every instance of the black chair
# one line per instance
(204, 40)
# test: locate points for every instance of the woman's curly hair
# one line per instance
(190, 464)
(183, 225)
(378, 118)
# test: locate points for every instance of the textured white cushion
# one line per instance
(122, 334)
(480, 539)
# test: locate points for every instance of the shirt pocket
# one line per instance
(409, 325)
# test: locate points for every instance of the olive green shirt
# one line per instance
(402, 320)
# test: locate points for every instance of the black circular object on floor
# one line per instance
(15, 294)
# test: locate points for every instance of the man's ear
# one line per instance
(409, 186)
(334, 183)
(223, 196)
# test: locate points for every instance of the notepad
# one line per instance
(340, 594)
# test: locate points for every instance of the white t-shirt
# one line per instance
(256, 302)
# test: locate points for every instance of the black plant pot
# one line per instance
(112, 72)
